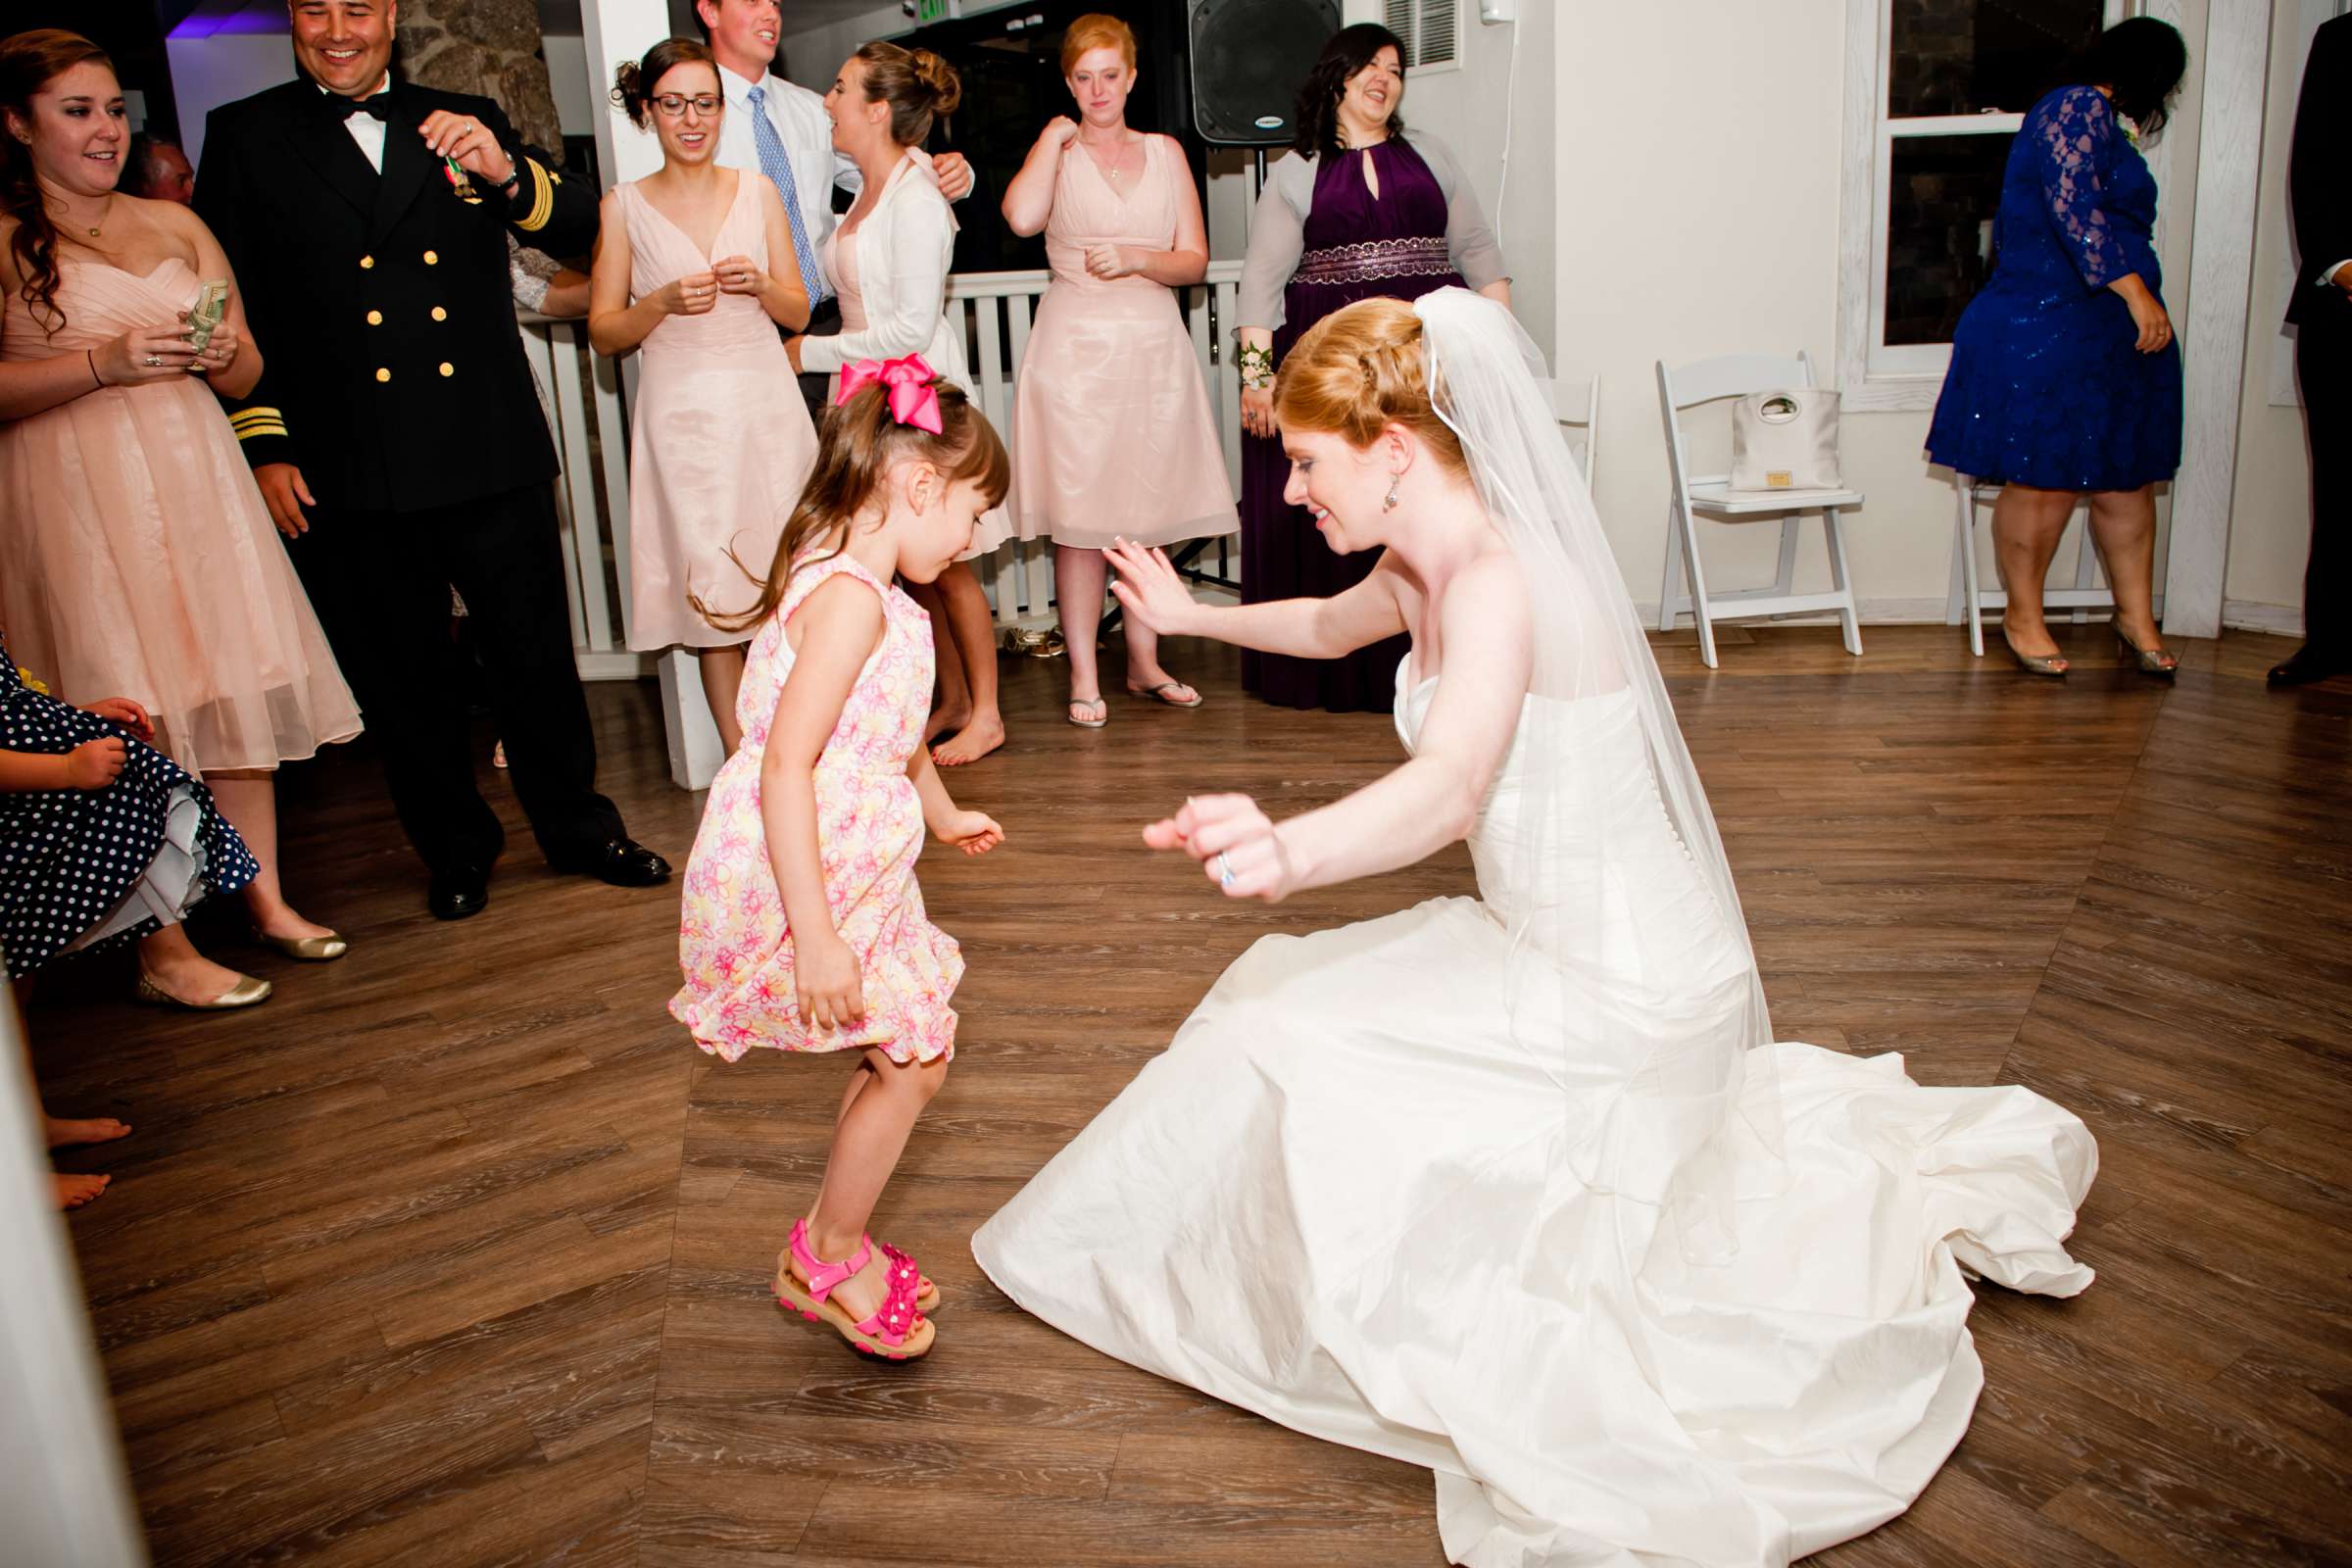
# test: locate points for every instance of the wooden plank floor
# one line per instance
(455, 1252)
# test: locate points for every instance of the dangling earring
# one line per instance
(1388, 501)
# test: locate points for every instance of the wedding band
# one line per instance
(1224, 869)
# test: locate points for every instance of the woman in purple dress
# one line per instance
(1361, 213)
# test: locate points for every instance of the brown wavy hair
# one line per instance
(634, 82)
(1359, 371)
(918, 84)
(859, 443)
(29, 62)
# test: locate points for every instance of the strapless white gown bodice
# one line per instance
(1355, 1195)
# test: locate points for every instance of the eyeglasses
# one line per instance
(675, 104)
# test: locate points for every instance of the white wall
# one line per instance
(1699, 146)
(1499, 104)
(812, 56)
(567, 58)
(207, 73)
(2269, 533)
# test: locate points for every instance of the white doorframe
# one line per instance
(2238, 47)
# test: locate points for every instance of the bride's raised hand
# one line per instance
(1236, 844)
(1150, 588)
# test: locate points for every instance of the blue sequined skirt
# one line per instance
(2046, 390)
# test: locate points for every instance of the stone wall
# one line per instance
(489, 47)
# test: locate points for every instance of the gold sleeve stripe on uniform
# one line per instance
(543, 199)
(250, 422)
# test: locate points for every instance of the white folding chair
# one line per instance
(1964, 598)
(1710, 496)
(1576, 401)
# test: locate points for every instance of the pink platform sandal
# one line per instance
(899, 1332)
(926, 1293)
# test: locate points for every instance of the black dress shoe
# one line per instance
(458, 893)
(624, 862)
(2310, 663)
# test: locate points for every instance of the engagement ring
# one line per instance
(1224, 869)
(154, 360)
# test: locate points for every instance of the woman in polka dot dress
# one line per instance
(101, 837)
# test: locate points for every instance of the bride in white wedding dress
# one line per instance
(1519, 1188)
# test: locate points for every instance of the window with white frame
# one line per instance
(1948, 83)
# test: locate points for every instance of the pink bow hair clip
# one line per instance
(913, 400)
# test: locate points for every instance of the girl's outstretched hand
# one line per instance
(127, 713)
(1236, 844)
(1149, 586)
(972, 832)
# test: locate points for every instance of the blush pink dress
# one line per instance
(840, 262)
(1112, 433)
(735, 946)
(721, 441)
(136, 559)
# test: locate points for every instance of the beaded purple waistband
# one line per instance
(1375, 258)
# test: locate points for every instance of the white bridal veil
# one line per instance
(1661, 1086)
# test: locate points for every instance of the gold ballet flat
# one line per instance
(246, 992)
(309, 950)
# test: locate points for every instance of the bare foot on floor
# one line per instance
(945, 721)
(64, 1131)
(72, 1192)
(976, 739)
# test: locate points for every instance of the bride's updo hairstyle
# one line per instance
(1359, 370)
(918, 84)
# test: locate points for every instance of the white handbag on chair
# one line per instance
(1785, 440)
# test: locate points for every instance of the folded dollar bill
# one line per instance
(206, 313)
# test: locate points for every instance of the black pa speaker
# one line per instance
(1247, 60)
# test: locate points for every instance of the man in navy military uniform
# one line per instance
(396, 435)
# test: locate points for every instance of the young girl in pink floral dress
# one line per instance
(802, 928)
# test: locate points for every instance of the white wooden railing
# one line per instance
(996, 308)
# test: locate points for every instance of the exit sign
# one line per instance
(929, 11)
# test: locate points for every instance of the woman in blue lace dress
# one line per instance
(2065, 379)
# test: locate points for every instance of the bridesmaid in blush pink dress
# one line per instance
(1112, 433)
(136, 557)
(687, 271)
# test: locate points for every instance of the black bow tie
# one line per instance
(377, 108)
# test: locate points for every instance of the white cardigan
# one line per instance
(905, 246)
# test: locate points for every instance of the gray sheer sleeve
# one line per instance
(1277, 239)
(530, 273)
(1469, 238)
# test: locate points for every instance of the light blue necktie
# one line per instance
(778, 168)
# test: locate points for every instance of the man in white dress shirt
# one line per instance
(782, 130)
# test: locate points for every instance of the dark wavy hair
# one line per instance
(29, 62)
(1316, 112)
(634, 82)
(2141, 60)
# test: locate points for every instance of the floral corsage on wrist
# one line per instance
(1256, 367)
